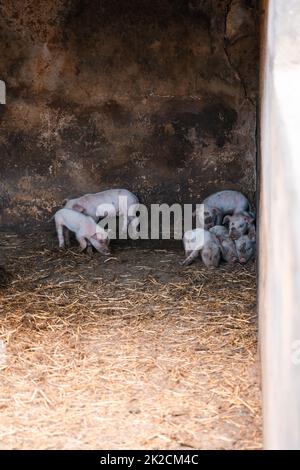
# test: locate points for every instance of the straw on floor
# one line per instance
(130, 351)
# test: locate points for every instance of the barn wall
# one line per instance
(157, 96)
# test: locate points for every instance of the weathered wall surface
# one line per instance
(157, 96)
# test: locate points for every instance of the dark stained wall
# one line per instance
(158, 96)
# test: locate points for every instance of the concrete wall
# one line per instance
(279, 260)
(157, 96)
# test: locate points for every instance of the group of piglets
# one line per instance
(221, 210)
(80, 215)
(227, 231)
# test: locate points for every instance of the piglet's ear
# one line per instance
(226, 219)
(249, 219)
(78, 208)
(99, 236)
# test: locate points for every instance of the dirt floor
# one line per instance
(131, 351)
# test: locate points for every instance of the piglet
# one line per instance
(199, 241)
(228, 202)
(85, 229)
(228, 248)
(109, 203)
(240, 224)
(245, 247)
(208, 216)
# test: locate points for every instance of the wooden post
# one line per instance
(279, 234)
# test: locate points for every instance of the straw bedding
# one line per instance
(131, 351)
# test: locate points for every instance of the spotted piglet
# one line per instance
(228, 201)
(239, 224)
(227, 245)
(245, 247)
(201, 242)
(208, 217)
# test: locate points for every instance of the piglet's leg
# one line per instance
(194, 254)
(89, 249)
(60, 234)
(82, 242)
(67, 236)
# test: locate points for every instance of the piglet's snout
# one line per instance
(234, 234)
(105, 250)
